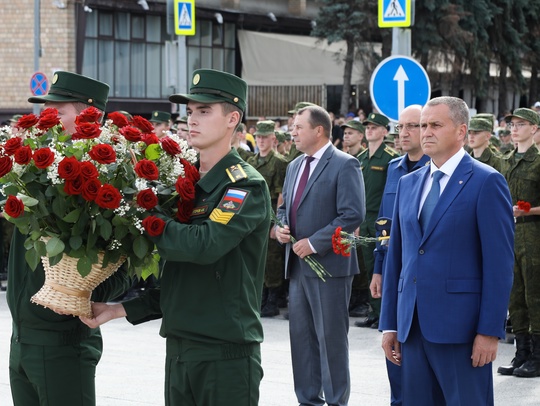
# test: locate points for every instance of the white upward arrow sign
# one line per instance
(401, 77)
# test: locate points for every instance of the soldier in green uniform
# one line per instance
(521, 168)
(53, 357)
(479, 137)
(272, 167)
(212, 279)
(238, 142)
(294, 153)
(374, 163)
(162, 122)
(506, 142)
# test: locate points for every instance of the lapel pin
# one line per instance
(460, 182)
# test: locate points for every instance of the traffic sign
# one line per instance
(39, 84)
(184, 17)
(398, 82)
(394, 13)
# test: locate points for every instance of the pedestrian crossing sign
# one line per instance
(394, 13)
(184, 17)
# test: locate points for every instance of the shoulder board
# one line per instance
(236, 173)
(390, 151)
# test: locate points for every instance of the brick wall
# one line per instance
(17, 49)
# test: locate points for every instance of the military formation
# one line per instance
(244, 278)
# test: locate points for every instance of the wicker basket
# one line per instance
(65, 291)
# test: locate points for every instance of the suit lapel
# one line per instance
(455, 185)
(295, 169)
(421, 176)
(317, 172)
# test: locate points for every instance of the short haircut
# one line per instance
(229, 108)
(318, 117)
(241, 127)
(459, 111)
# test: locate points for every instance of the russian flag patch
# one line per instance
(233, 199)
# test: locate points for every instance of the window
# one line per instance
(127, 51)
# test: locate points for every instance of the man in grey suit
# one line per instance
(329, 193)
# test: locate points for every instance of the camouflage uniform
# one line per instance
(523, 176)
(491, 157)
(244, 153)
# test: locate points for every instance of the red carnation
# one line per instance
(12, 145)
(89, 115)
(89, 170)
(118, 119)
(108, 197)
(185, 208)
(185, 188)
(147, 169)
(87, 131)
(74, 186)
(143, 124)
(170, 146)
(524, 206)
(153, 225)
(147, 199)
(43, 157)
(23, 155)
(69, 168)
(131, 133)
(14, 206)
(48, 119)
(90, 189)
(103, 153)
(27, 121)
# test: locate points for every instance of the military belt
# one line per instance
(526, 219)
(188, 350)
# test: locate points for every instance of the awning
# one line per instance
(281, 59)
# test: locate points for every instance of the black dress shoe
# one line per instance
(367, 322)
(375, 326)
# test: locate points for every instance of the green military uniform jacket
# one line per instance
(293, 153)
(491, 158)
(214, 266)
(374, 170)
(523, 176)
(33, 324)
(244, 153)
(272, 168)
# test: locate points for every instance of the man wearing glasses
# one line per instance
(522, 171)
(409, 134)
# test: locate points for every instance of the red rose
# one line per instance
(118, 119)
(89, 115)
(143, 124)
(184, 210)
(89, 170)
(86, 131)
(43, 157)
(103, 153)
(131, 133)
(90, 189)
(185, 188)
(150, 138)
(48, 119)
(14, 206)
(153, 225)
(147, 169)
(27, 121)
(23, 155)
(192, 173)
(74, 186)
(108, 197)
(12, 145)
(170, 146)
(5, 165)
(147, 199)
(69, 168)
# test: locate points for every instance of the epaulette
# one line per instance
(236, 173)
(390, 151)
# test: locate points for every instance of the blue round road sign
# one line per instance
(398, 82)
(39, 84)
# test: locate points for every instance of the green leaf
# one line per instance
(105, 230)
(32, 258)
(75, 242)
(28, 201)
(80, 225)
(151, 268)
(59, 206)
(153, 152)
(56, 259)
(40, 248)
(84, 266)
(140, 246)
(72, 216)
(120, 231)
(55, 246)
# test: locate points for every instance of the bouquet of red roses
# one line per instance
(92, 191)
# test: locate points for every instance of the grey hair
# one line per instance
(459, 111)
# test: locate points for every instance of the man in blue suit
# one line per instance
(323, 190)
(448, 272)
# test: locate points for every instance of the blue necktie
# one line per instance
(431, 200)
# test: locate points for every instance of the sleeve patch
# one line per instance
(236, 173)
(220, 216)
(233, 199)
